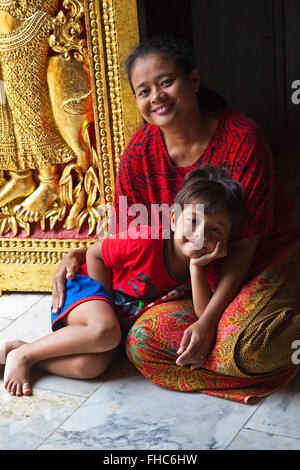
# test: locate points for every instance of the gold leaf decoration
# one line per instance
(67, 31)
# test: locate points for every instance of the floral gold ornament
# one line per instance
(67, 30)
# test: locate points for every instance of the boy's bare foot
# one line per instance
(16, 373)
(6, 347)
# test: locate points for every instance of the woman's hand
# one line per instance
(196, 344)
(219, 252)
(67, 269)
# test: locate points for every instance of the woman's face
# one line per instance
(165, 94)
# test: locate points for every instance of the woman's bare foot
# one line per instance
(16, 373)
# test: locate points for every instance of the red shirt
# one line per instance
(147, 175)
(140, 268)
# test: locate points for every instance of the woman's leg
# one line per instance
(91, 330)
(253, 351)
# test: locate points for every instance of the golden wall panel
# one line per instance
(59, 153)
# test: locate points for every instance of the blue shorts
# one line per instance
(79, 290)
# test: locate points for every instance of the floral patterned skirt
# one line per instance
(253, 354)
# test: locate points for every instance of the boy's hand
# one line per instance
(196, 344)
(219, 252)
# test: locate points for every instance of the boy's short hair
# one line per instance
(211, 186)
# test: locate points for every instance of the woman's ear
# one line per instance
(172, 220)
(195, 78)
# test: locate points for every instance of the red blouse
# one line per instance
(147, 175)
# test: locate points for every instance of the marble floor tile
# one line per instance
(26, 421)
(279, 413)
(123, 410)
(32, 324)
(14, 305)
(248, 439)
(129, 412)
(4, 322)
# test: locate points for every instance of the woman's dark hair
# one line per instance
(181, 52)
(212, 186)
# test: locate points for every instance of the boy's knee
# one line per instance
(107, 334)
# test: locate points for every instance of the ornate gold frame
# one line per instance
(27, 264)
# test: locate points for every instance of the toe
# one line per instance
(6, 384)
(19, 390)
(9, 386)
(26, 389)
(13, 388)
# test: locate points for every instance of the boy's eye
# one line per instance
(217, 231)
(192, 220)
(142, 92)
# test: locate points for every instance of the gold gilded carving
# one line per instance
(67, 29)
(48, 122)
(88, 106)
(28, 265)
(43, 251)
(29, 139)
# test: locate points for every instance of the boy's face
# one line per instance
(196, 234)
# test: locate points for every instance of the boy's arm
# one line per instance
(96, 267)
(232, 275)
(198, 339)
(201, 291)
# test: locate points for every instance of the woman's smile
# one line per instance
(163, 109)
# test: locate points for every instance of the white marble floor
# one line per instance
(124, 411)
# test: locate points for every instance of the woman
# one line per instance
(242, 345)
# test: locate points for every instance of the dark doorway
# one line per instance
(246, 51)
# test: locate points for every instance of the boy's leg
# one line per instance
(91, 327)
(80, 366)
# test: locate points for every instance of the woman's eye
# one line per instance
(217, 231)
(167, 81)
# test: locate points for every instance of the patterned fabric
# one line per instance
(252, 355)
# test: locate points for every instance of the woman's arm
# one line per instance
(67, 269)
(95, 266)
(69, 265)
(199, 338)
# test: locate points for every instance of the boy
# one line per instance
(122, 275)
